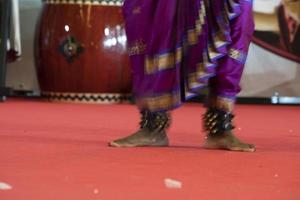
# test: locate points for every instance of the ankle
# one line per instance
(155, 120)
(217, 122)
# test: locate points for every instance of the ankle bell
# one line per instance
(217, 121)
(155, 120)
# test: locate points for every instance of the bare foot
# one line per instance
(227, 141)
(143, 138)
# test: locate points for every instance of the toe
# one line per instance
(113, 144)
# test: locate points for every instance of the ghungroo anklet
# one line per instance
(217, 121)
(153, 121)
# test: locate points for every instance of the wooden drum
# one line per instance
(80, 51)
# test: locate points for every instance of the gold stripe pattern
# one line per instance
(237, 55)
(192, 37)
(212, 53)
(162, 62)
(194, 77)
(193, 34)
(219, 39)
(160, 102)
(169, 60)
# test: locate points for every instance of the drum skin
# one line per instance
(80, 48)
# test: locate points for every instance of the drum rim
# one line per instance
(89, 2)
(93, 98)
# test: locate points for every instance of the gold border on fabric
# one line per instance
(198, 27)
(193, 34)
(228, 9)
(192, 37)
(237, 55)
(164, 61)
(169, 60)
(212, 53)
(219, 39)
(193, 81)
(202, 13)
(161, 102)
(193, 78)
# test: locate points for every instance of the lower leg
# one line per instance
(225, 86)
(218, 126)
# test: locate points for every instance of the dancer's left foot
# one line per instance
(152, 132)
(218, 126)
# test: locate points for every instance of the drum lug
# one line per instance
(70, 48)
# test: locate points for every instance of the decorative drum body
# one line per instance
(80, 51)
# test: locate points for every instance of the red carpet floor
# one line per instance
(59, 151)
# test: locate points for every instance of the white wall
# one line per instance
(267, 73)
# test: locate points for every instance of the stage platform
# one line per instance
(59, 151)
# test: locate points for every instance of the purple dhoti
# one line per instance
(177, 47)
